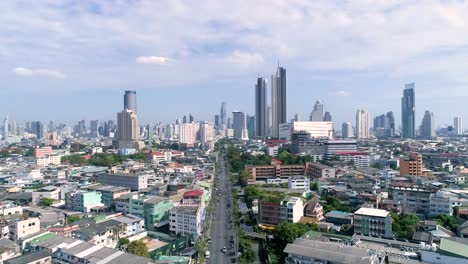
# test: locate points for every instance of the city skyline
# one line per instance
(80, 61)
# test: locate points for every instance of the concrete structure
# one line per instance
(127, 129)
(261, 107)
(321, 171)
(186, 220)
(36, 257)
(278, 100)
(109, 193)
(299, 183)
(373, 222)
(443, 203)
(316, 129)
(188, 133)
(411, 166)
(49, 160)
(315, 210)
(42, 152)
(134, 181)
(306, 251)
(83, 201)
(408, 105)
(356, 158)
(21, 228)
(413, 198)
(155, 210)
(51, 192)
(9, 209)
(264, 172)
(290, 209)
(428, 125)
(331, 147)
(362, 124)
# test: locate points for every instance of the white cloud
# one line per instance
(26, 72)
(152, 60)
(341, 93)
(245, 59)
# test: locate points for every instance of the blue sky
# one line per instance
(68, 60)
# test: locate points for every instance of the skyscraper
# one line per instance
(127, 129)
(223, 116)
(37, 129)
(240, 125)
(362, 124)
(261, 107)
(278, 100)
(297, 117)
(346, 130)
(6, 128)
(327, 117)
(408, 111)
(251, 129)
(458, 125)
(317, 113)
(93, 126)
(130, 101)
(428, 125)
(391, 124)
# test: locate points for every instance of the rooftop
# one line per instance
(29, 258)
(372, 212)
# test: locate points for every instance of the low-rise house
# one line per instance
(339, 218)
(20, 228)
(37, 257)
(315, 210)
(82, 201)
(51, 192)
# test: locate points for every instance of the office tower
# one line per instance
(130, 101)
(317, 113)
(428, 125)
(278, 100)
(408, 111)
(223, 116)
(188, 133)
(327, 117)
(251, 129)
(14, 129)
(170, 130)
(458, 125)
(391, 124)
(184, 119)
(229, 123)
(217, 122)
(37, 129)
(297, 117)
(94, 129)
(207, 132)
(51, 126)
(261, 107)
(191, 119)
(149, 132)
(269, 120)
(362, 124)
(240, 125)
(346, 130)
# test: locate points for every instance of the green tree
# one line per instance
(138, 248)
(247, 254)
(123, 241)
(449, 222)
(72, 218)
(74, 159)
(287, 232)
(404, 225)
(46, 202)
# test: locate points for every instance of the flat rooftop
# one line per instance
(372, 212)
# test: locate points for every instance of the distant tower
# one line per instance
(346, 130)
(240, 125)
(317, 113)
(278, 100)
(130, 101)
(408, 111)
(261, 107)
(458, 125)
(327, 117)
(223, 116)
(428, 125)
(362, 124)
(5, 131)
(297, 117)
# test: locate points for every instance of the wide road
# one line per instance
(221, 227)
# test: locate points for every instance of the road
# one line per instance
(221, 226)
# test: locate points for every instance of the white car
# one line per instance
(224, 250)
(207, 254)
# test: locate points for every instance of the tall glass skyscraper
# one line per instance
(223, 116)
(278, 100)
(261, 107)
(130, 101)
(408, 111)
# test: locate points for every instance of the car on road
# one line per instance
(209, 240)
(207, 254)
(224, 250)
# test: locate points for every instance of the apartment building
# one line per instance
(265, 172)
(155, 210)
(133, 181)
(412, 165)
(186, 220)
(373, 222)
(299, 183)
(20, 228)
(321, 171)
(83, 201)
(290, 209)
(413, 198)
(51, 192)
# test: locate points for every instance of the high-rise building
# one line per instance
(251, 129)
(261, 107)
(130, 101)
(391, 124)
(269, 120)
(240, 125)
(217, 122)
(37, 129)
(327, 117)
(6, 128)
(191, 119)
(412, 165)
(458, 125)
(297, 117)
(127, 128)
(408, 111)
(362, 124)
(428, 125)
(223, 116)
(207, 132)
(278, 100)
(346, 130)
(93, 126)
(317, 113)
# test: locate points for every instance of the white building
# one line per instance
(186, 220)
(347, 130)
(188, 133)
(299, 183)
(24, 227)
(373, 222)
(443, 203)
(362, 124)
(51, 192)
(317, 129)
(49, 160)
(240, 125)
(292, 209)
(458, 125)
(359, 159)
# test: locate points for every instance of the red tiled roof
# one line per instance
(193, 193)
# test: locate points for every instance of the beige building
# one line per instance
(24, 227)
(127, 129)
(411, 166)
